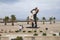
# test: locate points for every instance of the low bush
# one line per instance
(41, 31)
(24, 31)
(29, 31)
(17, 31)
(44, 34)
(35, 34)
(35, 31)
(18, 38)
(54, 34)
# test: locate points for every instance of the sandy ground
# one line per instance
(52, 28)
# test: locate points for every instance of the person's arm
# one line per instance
(32, 10)
(37, 11)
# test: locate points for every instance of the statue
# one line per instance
(33, 17)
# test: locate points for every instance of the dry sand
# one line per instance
(52, 28)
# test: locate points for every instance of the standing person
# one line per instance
(34, 12)
(31, 19)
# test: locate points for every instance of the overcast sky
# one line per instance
(22, 8)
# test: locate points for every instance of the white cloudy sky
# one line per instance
(22, 8)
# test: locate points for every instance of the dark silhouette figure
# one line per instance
(35, 16)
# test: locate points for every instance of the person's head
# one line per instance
(37, 10)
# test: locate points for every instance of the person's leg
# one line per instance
(35, 21)
(32, 24)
